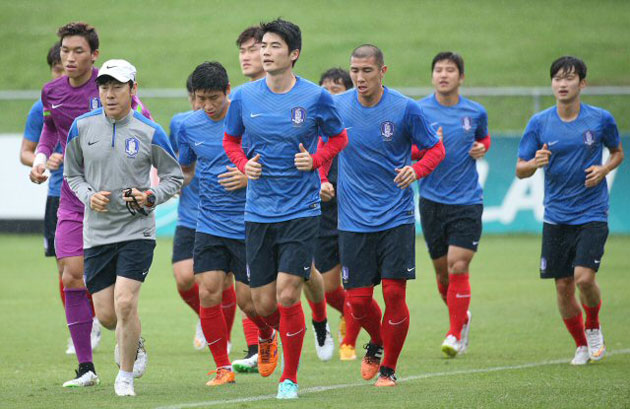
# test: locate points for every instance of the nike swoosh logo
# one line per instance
(111, 66)
(409, 270)
(434, 123)
(397, 323)
(56, 106)
(295, 333)
(198, 143)
(348, 128)
(552, 143)
(475, 243)
(306, 268)
(214, 342)
(597, 261)
(92, 143)
(462, 295)
(254, 115)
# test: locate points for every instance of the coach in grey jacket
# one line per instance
(108, 163)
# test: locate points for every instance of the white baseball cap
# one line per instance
(121, 70)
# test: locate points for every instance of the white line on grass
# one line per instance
(316, 389)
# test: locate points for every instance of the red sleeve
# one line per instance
(234, 151)
(430, 160)
(330, 150)
(416, 153)
(485, 141)
(324, 169)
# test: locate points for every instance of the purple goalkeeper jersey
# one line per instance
(63, 103)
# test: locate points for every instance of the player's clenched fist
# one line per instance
(303, 160)
(253, 169)
(542, 157)
(327, 192)
(99, 201)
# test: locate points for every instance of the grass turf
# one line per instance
(515, 322)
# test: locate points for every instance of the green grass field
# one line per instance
(518, 356)
(504, 43)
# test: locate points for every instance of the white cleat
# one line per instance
(581, 356)
(451, 346)
(140, 365)
(70, 349)
(95, 336)
(124, 387)
(463, 342)
(324, 343)
(249, 364)
(87, 379)
(199, 342)
(596, 345)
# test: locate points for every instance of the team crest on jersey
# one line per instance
(95, 103)
(589, 138)
(467, 123)
(387, 130)
(298, 116)
(132, 147)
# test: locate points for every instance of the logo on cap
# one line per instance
(132, 147)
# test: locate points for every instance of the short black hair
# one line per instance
(254, 32)
(568, 64)
(189, 86)
(450, 56)
(288, 31)
(79, 29)
(210, 76)
(53, 57)
(338, 76)
(368, 51)
(108, 79)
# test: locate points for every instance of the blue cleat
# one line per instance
(287, 390)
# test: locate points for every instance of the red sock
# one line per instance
(366, 312)
(592, 316)
(292, 329)
(91, 304)
(318, 309)
(63, 295)
(191, 297)
(458, 300)
(443, 289)
(352, 326)
(215, 331)
(228, 306)
(395, 320)
(336, 298)
(250, 329)
(273, 320)
(575, 326)
(260, 329)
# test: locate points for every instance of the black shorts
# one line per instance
(183, 244)
(214, 253)
(445, 225)
(50, 225)
(366, 258)
(285, 247)
(327, 250)
(566, 246)
(130, 259)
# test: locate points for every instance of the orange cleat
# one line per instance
(371, 361)
(224, 376)
(268, 355)
(386, 378)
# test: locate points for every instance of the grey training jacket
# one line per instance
(103, 154)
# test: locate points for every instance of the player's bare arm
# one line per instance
(189, 173)
(526, 168)
(595, 174)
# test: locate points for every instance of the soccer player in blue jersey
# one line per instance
(376, 210)
(32, 132)
(451, 198)
(567, 141)
(281, 117)
(220, 231)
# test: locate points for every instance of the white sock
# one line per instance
(123, 375)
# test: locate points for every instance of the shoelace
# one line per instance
(593, 338)
(373, 351)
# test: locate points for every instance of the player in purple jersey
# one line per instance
(567, 141)
(451, 198)
(376, 217)
(65, 99)
(280, 116)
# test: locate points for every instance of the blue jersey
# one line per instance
(574, 147)
(187, 208)
(274, 126)
(379, 141)
(220, 212)
(32, 132)
(455, 179)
